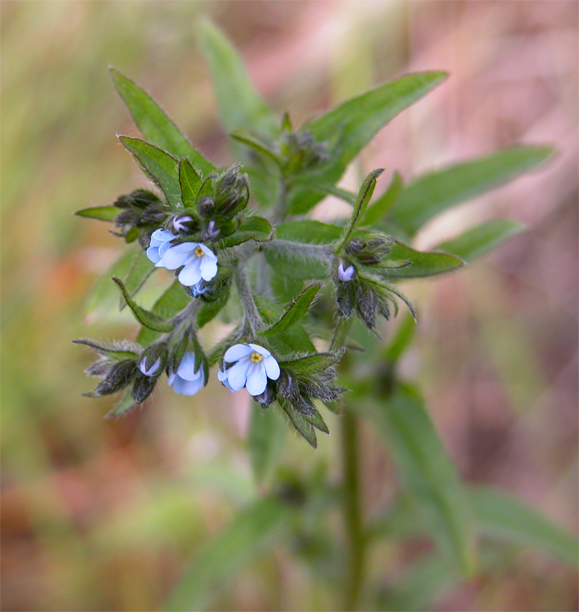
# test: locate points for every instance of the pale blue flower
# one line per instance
(199, 262)
(211, 231)
(180, 224)
(252, 366)
(187, 380)
(159, 245)
(347, 274)
(152, 369)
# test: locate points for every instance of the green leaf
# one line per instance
(266, 435)
(102, 213)
(377, 211)
(502, 515)
(313, 232)
(295, 312)
(427, 472)
(239, 104)
(434, 192)
(400, 340)
(481, 239)
(301, 424)
(209, 310)
(251, 531)
(252, 228)
(422, 263)
(355, 122)
(141, 268)
(144, 317)
(158, 165)
(127, 403)
(249, 140)
(189, 182)
(172, 301)
(312, 364)
(317, 421)
(154, 124)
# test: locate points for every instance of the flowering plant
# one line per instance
(312, 297)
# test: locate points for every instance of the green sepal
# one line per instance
(158, 165)
(154, 124)
(252, 228)
(295, 312)
(127, 403)
(118, 351)
(300, 423)
(317, 421)
(102, 213)
(144, 317)
(189, 182)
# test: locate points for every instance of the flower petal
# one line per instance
(178, 255)
(208, 267)
(187, 387)
(159, 236)
(208, 252)
(237, 352)
(191, 274)
(222, 377)
(187, 367)
(164, 247)
(237, 375)
(153, 254)
(256, 379)
(271, 367)
(260, 350)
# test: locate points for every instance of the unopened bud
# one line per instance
(206, 206)
(154, 359)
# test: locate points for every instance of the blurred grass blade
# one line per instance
(158, 165)
(481, 239)
(385, 202)
(356, 122)
(428, 473)
(266, 435)
(154, 124)
(240, 106)
(422, 263)
(436, 191)
(141, 268)
(248, 534)
(501, 515)
(425, 580)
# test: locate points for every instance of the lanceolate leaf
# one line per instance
(251, 531)
(158, 165)
(502, 515)
(118, 351)
(432, 193)
(146, 318)
(356, 122)
(189, 181)
(422, 263)
(239, 104)
(253, 228)
(385, 202)
(312, 364)
(481, 239)
(102, 213)
(296, 311)
(154, 124)
(246, 138)
(428, 472)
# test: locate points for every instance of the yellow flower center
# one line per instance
(256, 357)
(199, 252)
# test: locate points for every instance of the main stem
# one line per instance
(352, 504)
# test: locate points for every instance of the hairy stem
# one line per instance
(252, 318)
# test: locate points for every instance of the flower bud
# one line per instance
(154, 360)
(119, 376)
(143, 387)
(206, 206)
(184, 224)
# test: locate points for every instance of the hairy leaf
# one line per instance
(252, 228)
(154, 124)
(189, 182)
(295, 312)
(436, 191)
(102, 213)
(378, 209)
(144, 317)
(301, 424)
(422, 263)
(141, 268)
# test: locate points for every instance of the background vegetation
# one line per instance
(107, 515)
